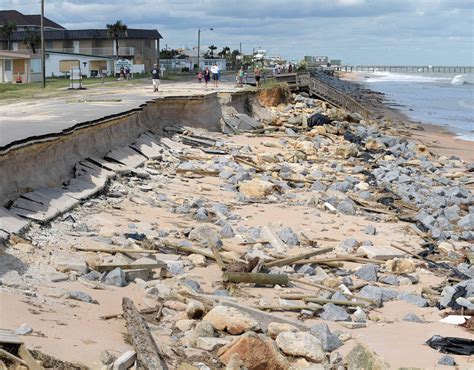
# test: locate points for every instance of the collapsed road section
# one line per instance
(273, 246)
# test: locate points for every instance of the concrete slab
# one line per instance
(3, 236)
(173, 145)
(10, 222)
(126, 156)
(148, 146)
(111, 166)
(80, 190)
(383, 253)
(44, 204)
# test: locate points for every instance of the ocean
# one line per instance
(429, 98)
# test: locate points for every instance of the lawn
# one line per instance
(54, 87)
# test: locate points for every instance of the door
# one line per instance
(75, 45)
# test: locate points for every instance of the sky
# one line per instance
(396, 32)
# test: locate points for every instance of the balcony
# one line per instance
(102, 52)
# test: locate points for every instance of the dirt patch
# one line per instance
(273, 96)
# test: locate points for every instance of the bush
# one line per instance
(185, 69)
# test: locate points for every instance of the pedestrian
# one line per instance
(207, 76)
(155, 77)
(127, 73)
(200, 76)
(122, 72)
(258, 75)
(215, 74)
(241, 75)
(290, 69)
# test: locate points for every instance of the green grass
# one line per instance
(54, 87)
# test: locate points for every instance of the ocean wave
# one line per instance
(380, 76)
(467, 137)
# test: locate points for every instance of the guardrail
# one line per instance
(331, 94)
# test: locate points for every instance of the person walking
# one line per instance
(258, 75)
(200, 76)
(155, 77)
(241, 75)
(215, 74)
(207, 76)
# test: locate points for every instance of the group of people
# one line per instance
(242, 75)
(125, 73)
(207, 74)
(278, 69)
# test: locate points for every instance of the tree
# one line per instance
(6, 31)
(168, 53)
(211, 52)
(31, 39)
(225, 52)
(116, 31)
(233, 57)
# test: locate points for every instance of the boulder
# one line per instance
(203, 329)
(12, 279)
(210, 344)
(367, 272)
(256, 351)
(328, 340)
(331, 312)
(232, 320)
(400, 266)
(275, 328)
(301, 344)
(116, 277)
(362, 357)
(257, 188)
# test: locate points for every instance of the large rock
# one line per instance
(275, 328)
(400, 266)
(257, 188)
(13, 279)
(210, 344)
(382, 253)
(71, 261)
(116, 277)
(362, 357)
(232, 320)
(301, 344)
(204, 234)
(256, 351)
(328, 340)
(367, 272)
(331, 312)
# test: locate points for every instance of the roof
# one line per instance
(26, 20)
(99, 34)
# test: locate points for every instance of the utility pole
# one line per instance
(43, 67)
(199, 47)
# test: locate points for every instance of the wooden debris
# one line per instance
(256, 278)
(148, 353)
(28, 358)
(129, 266)
(297, 259)
(8, 355)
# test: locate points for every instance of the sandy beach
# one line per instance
(439, 139)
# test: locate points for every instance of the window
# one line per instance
(35, 65)
(49, 44)
(8, 65)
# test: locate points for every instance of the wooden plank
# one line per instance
(147, 350)
(28, 358)
(130, 266)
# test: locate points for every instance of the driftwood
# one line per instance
(323, 287)
(192, 250)
(298, 258)
(344, 259)
(198, 172)
(145, 311)
(216, 254)
(147, 350)
(256, 278)
(288, 308)
(8, 355)
(128, 266)
(115, 250)
(315, 299)
(26, 356)
(243, 161)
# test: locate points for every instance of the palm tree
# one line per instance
(6, 31)
(116, 31)
(212, 48)
(224, 52)
(31, 39)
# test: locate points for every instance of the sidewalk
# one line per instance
(30, 119)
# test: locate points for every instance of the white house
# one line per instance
(59, 64)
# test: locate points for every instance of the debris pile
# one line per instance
(266, 249)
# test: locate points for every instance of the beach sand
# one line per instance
(439, 139)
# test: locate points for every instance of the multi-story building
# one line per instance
(140, 46)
